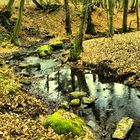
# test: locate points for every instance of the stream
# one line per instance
(53, 82)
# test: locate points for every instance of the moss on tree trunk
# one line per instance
(18, 23)
(9, 6)
(77, 48)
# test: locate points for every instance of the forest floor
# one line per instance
(117, 58)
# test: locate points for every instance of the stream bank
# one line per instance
(53, 82)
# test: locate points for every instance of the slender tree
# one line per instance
(67, 18)
(18, 23)
(90, 26)
(133, 6)
(77, 48)
(9, 6)
(38, 4)
(137, 14)
(125, 12)
(111, 21)
(105, 4)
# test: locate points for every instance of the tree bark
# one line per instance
(18, 23)
(137, 14)
(90, 26)
(125, 11)
(133, 6)
(77, 46)
(9, 6)
(111, 21)
(67, 18)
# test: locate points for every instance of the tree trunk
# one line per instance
(105, 4)
(111, 12)
(18, 23)
(125, 11)
(77, 46)
(117, 4)
(67, 18)
(137, 13)
(9, 6)
(38, 5)
(90, 26)
(133, 8)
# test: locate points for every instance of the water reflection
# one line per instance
(114, 100)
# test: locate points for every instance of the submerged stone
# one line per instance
(63, 122)
(75, 102)
(44, 50)
(88, 100)
(123, 127)
(77, 94)
(91, 124)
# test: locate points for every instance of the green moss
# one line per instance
(24, 65)
(77, 94)
(75, 102)
(2, 76)
(56, 44)
(65, 122)
(44, 50)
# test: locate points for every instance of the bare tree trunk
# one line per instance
(67, 16)
(125, 12)
(137, 14)
(18, 23)
(77, 46)
(133, 7)
(111, 21)
(38, 5)
(90, 26)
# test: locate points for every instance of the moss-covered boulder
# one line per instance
(64, 104)
(29, 65)
(44, 50)
(63, 122)
(88, 100)
(56, 45)
(78, 94)
(75, 102)
(123, 127)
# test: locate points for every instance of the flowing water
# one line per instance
(113, 100)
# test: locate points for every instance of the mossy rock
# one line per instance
(63, 122)
(64, 104)
(30, 65)
(56, 45)
(78, 94)
(123, 127)
(44, 50)
(75, 102)
(88, 100)
(24, 65)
